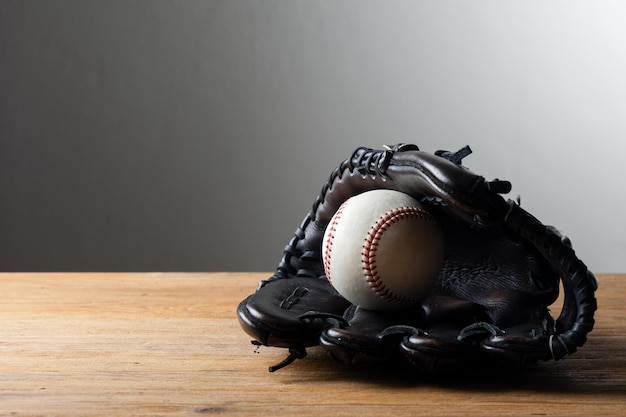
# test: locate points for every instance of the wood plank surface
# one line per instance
(154, 344)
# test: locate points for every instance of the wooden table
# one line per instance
(155, 344)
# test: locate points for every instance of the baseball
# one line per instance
(382, 250)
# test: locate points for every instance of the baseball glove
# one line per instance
(501, 273)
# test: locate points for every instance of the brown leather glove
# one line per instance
(501, 273)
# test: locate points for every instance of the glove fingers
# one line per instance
(442, 349)
(437, 352)
(520, 345)
(276, 314)
(438, 348)
(361, 337)
(425, 335)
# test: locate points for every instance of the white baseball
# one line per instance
(382, 250)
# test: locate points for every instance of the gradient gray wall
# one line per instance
(195, 135)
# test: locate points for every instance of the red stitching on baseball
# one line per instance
(371, 245)
(328, 244)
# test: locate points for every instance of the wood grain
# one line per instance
(155, 344)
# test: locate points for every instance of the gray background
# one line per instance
(195, 135)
